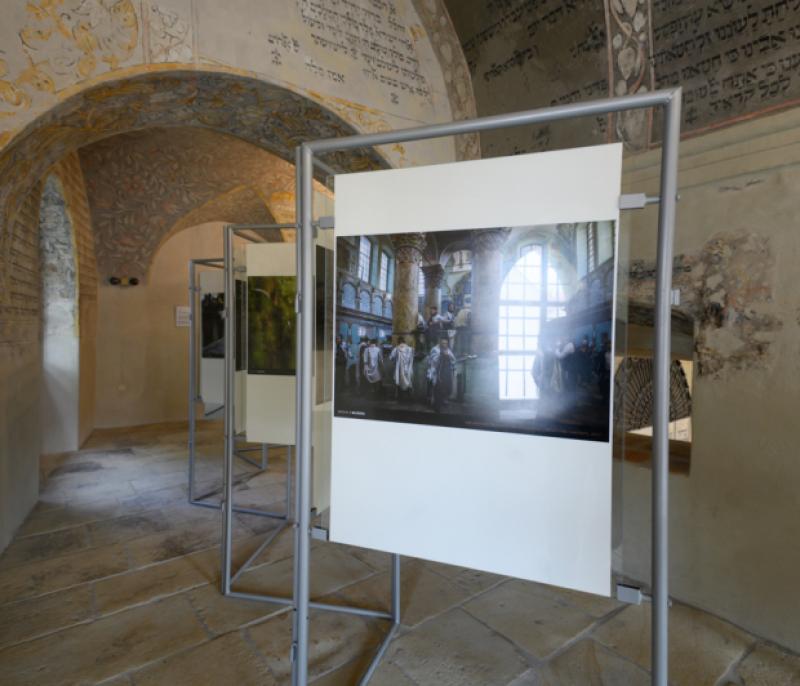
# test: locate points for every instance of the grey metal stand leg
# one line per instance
(192, 379)
(661, 364)
(230, 421)
(373, 666)
(290, 516)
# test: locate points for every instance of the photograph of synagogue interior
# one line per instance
(150, 535)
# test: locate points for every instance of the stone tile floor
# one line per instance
(113, 579)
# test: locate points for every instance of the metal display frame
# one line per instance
(229, 577)
(195, 397)
(669, 102)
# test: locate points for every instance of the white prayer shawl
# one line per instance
(433, 363)
(372, 364)
(403, 357)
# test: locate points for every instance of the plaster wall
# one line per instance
(20, 368)
(735, 519)
(142, 357)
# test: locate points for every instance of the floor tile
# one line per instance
(702, 647)
(104, 648)
(221, 614)
(43, 615)
(43, 546)
(455, 649)
(589, 664)
(331, 569)
(45, 576)
(423, 593)
(766, 666)
(148, 583)
(224, 660)
(536, 621)
(471, 580)
(335, 639)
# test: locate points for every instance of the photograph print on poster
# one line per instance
(212, 318)
(501, 329)
(271, 323)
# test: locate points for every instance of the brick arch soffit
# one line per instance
(227, 208)
(145, 185)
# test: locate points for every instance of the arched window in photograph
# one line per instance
(364, 258)
(364, 301)
(387, 309)
(377, 305)
(349, 296)
(534, 291)
(383, 277)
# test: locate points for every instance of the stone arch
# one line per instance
(271, 117)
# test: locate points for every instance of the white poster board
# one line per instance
(271, 398)
(536, 507)
(270, 404)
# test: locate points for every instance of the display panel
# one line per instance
(506, 465)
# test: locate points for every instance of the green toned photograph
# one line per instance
(271, 325)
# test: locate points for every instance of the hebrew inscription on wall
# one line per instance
(732, 57)
(370, 33)
(534, 53)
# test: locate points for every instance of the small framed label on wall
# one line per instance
(182, 315)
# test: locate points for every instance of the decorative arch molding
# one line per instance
(269, 116)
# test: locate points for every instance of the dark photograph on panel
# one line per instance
(212, 318)
(501, 329)
(323, 323)
(271, 325)
(241, 316)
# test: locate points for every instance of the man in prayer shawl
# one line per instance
(441, 373)
(403, 357)
(373, 363)
(362, 346)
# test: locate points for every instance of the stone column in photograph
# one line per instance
(487, 280)
(408, 248)
(434, 274)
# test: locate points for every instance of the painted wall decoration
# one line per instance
(65, 42)
(727, 287)
(373, 64)
(630, 69)
(271, 325)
